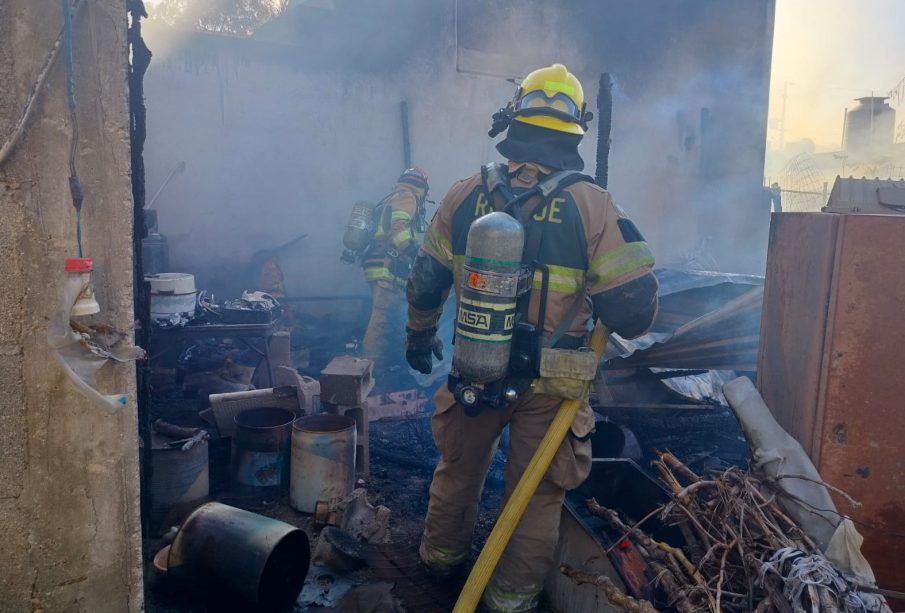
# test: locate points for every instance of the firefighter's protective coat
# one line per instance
(595, 256)
(387, 272)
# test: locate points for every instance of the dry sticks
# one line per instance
(742, 553)
(613, 594)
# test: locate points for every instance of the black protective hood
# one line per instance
(528, 143)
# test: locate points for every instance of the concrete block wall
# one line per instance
(69, 488)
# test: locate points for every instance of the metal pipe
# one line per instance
(406, 142)
(604, 127)
(180, 167)
(324, 298)
(224, 551)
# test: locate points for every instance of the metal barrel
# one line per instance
(179, 481)
(323, 460)
(225, 551)
(260, 453)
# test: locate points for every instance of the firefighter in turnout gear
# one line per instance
(399, 218)
(583, 259)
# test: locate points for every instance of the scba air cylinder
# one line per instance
(487, 305)
(358, 230)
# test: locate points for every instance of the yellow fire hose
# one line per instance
(524, 491)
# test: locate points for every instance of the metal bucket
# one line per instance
(260, 453)
(179, 481)
(224, 550)
(611, 440)
(323, 460)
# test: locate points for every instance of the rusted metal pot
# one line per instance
(179, 481)
(611, 440)
(323, 460)
(222, 550)
(260, 453)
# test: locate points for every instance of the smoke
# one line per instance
(283, 130)
(825, 55)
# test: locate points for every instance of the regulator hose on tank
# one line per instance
(524, 491)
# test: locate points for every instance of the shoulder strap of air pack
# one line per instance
(495, 180)
(547, 188)
(383, 213)
(555, 182)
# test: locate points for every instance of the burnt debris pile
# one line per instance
(739, 551)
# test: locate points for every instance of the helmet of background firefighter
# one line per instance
(416, 176)
(551, 98)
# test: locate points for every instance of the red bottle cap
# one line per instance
(79, 264)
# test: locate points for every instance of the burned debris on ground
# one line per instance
(673, 501)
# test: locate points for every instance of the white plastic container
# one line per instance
(173, 294)
(78, 272)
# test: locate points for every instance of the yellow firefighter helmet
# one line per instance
(552, 98)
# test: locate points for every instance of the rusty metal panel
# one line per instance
(793, 323)
(860, 439)
(830, 366)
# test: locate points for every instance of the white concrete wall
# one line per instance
(278, 143)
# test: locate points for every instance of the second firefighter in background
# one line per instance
(386, 264)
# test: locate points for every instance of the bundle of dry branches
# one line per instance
(742, 552)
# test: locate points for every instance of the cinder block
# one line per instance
(347, 380)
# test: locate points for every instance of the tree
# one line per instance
(240, 17)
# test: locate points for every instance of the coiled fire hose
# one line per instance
(524, 491)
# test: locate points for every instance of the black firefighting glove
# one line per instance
(419, 345)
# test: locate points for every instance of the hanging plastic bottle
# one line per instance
(78, 272)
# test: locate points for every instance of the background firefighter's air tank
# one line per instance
(486, 316)
(358, 230)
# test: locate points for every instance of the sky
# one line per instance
(830, 52)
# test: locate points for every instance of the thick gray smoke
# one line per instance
(282, 131)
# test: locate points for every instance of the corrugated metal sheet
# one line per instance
(724, 339)
(875, 196)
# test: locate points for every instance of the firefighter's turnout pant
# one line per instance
(384, 339)
(467, 445)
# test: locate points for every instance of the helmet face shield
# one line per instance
(559, 102)
(550, 98)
